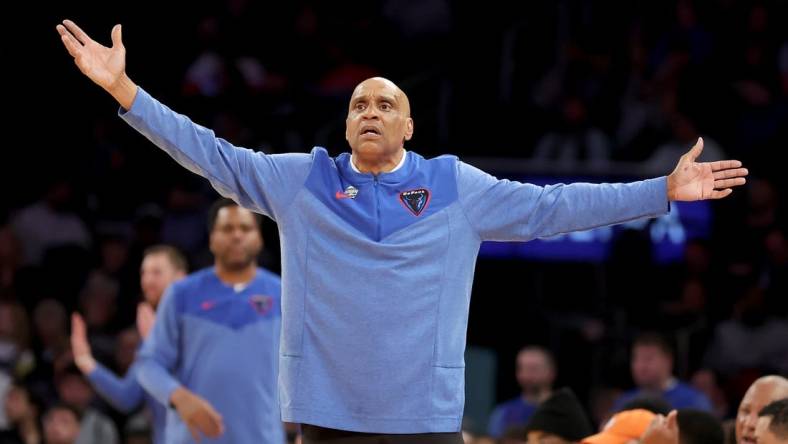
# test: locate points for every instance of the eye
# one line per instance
(385, 106)
(360, 106)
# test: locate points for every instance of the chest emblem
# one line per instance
(415, 200)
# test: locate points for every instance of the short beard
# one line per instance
(237, 265)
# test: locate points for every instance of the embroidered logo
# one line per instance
(415, 200)
(349, 193)
(207, 305)
(262, 304)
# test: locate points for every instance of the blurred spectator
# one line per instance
(62, 425)
(10, 260)
(576, 141)
(652, 372)
(757, 338)
(50, 222)
(707, 381)
(16, 358)
(535, 373)
(98, 303)
(560, 419)
(94, 426)
(23, 411)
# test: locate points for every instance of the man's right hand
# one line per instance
(105, 66)
(80, 347)
(199, 416)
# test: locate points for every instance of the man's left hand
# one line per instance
(704, 180)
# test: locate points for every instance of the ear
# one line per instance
(409, 129)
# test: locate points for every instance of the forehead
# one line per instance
(531, 356)
(234, 214)
(374, 89)
(156, 260)
(648, 350)
(759, 394)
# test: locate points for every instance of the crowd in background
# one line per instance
(590, 88)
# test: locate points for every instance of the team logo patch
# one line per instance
(261, 303)
(415, 200)
(350, 193)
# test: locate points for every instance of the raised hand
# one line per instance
(704, 180)
(104, 66)
(145, 318)
(80, 347)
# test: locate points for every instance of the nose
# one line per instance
(749, 422)
(370, 113)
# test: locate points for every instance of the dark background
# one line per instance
(486, 82)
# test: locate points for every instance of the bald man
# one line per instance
(379, 247)
(762, 392)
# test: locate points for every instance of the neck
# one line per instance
(377, 164)
(236, 276)
(661, 385)
(536, 397)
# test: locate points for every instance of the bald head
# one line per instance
(378, 124)
(383, 84)
(762, 392)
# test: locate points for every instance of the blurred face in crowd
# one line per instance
(99, 300)
(762, 392)
(534, 371)
(17, 404)
(61, 426)
(75, 390)
(651, 366)
(157, 272)
(126, 348)
(235, 239)
(378, 120)
(49, 320)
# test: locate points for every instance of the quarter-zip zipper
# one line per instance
(377, 208)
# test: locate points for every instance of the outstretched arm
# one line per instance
(125, 394)
(704, 180)
(263, 183)
(104, 66)
(504, 210)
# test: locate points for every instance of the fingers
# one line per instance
(728, 173)
(725, 165)
(209, 424)
(195, 432)
(696, 150)
(719, 194)
(117, 39)
(77, 32)
(215, 424)
(727, 183)
(72, 45)
(77, 324)
(671, 420)
(143, 309)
